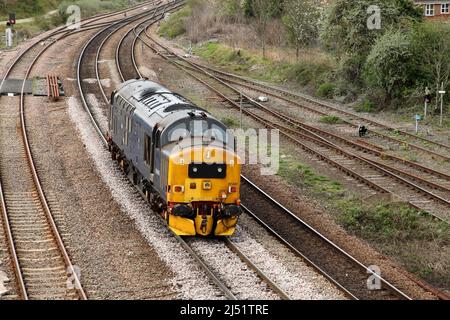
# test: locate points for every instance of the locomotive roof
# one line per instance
(154, 98)
(158, 104)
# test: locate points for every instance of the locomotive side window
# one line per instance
(147, 149)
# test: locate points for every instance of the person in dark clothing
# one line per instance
(362, 130)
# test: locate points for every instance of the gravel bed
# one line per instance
(189, 279)
(309, 208)
(114, 259)
(287, 270)
(244, 283)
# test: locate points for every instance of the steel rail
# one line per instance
(137, 36)
(313, 134)
(8, 232)
(336, 247)
(329, 106)
(97, 71)
(38, 184)
(203, 264)
(119, 46)
(66, 29)
(233, 247)
(418, 282)
(348, 293)
(360, 145)
(321, 237)
(182, 242)
(79, 64)
(197, 67)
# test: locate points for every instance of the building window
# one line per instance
(429, 10)
(445, 8)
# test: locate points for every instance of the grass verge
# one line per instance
(312, 73)
(418, 242)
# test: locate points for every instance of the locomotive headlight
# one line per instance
(178, 189)
(223, 195)
(207, 185)
(195, 169)
(220, 170)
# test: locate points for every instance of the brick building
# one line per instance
(435, 8)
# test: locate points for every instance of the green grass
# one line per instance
(27, 8)
(386, 222)
(421, 243)
(326, 90)
(330, 119)
(366, 106)
(175, 25)
(245, 62)
(304, 176)
(230, 123)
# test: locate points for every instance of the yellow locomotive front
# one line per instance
(203, 191)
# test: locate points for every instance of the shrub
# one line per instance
(390, 64)
(331, 119)
(175, 24)
(390, 221)
(229, 122)
(307, 73)
(325, 90)
(366, 106)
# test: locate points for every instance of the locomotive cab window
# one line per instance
(198, 127)
(177, 133)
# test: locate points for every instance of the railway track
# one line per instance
(129, 39)
(334, 263)
(396, 292)
(429, 193)
(362, 293)
(389, 135)
(42, 266)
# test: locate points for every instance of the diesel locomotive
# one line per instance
(181, 158)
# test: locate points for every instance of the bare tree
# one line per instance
(301, 20)
(263, 11)
(436, 54)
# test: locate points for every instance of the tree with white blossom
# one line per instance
(301, 19)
